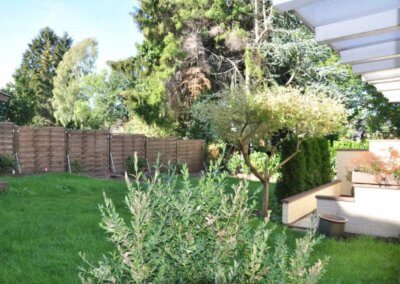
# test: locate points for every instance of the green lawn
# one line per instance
(46, 220)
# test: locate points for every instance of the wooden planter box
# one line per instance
(366, 178)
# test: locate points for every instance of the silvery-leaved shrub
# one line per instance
(185, 231)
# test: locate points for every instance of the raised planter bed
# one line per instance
(366, 178)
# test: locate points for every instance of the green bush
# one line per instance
(293, 174)
(76, 167)
(327, 166)
(347, 144)
(310, 168)
(177, 167)
(236, 162)
(184, 232)
(130, 164)
(7, 164)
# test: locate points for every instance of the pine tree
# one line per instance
(31, 102)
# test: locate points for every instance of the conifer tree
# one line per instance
(32, 91)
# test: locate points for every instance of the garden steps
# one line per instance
(300, 206)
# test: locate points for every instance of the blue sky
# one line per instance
(106, 20)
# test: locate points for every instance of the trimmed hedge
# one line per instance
(310, 168)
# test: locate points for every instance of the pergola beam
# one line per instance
(363, 26)
(382, 75)
(392, 95)
(389, 80)
(388, 86)
(369, 53)
(376, 66)
(287, 5)
(366, 34)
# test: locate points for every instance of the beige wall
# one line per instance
(302, 204)
(372, 211)
(382, 148)
(344, 166)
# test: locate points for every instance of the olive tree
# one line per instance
(273, 116)
(177, 231)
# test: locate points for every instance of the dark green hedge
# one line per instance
(308, 169)
(7, 164)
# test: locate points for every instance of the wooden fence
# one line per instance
(55, 149)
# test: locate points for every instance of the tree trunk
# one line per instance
(265, 207)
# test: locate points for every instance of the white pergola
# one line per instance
(366, 34)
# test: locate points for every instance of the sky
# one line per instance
(108, 21)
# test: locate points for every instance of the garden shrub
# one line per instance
(327, 167)
(7, 164)
(310, 168)
(293, 174)
(184, 232)
(310, 153)
(130, 164)
(214, 150)
(236, 162)
(76, 167)
(347, 144)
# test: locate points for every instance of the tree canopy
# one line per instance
(70, 103)
(192, 50)
(273, 115)
(33, 87)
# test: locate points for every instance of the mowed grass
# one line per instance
(46, 220)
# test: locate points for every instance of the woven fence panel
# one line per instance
(89, 149)
(41, 149)
(164, 147)
(6, 138)
(191, 152)
(124, 145)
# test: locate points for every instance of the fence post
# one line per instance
(110, 162)
(66, 152)
(145, 147)
(16, 146)
(176, 151)
(14, 130)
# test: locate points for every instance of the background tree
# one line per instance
(192, 50)
(32, 90)
(71, 104)
(104, 91)
(274, 115)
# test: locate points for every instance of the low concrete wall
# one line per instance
(344, 166)
(373, 210)
(302, 204)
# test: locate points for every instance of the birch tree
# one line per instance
(70, 103)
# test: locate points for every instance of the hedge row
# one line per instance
(311, 167)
